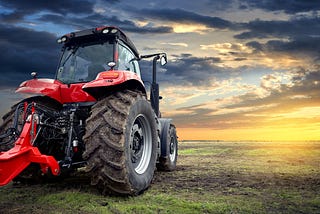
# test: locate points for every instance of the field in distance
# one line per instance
(211, 177)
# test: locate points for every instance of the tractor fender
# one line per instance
(63, 93)
(109, 81)
(48, 87)
(164, 130)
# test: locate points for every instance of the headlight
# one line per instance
(114, 30)
(62, 39)
(105, 31)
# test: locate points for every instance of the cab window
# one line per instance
(126, 60)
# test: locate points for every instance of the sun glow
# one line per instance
(300, 125)
(186, 28)
(308, 133)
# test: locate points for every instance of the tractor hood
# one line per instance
(62, 93)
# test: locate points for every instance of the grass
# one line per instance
(211, 177)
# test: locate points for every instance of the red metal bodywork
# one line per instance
(14, 161)
(72, 93)
(112, 78)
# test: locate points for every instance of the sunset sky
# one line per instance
(237, 70)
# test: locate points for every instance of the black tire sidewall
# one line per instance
(172, 134)
(166, 163)
(141, 181)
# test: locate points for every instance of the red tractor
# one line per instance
(95, 115)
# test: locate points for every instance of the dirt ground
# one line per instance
(205, 172)
(255, 177)
(284, 177)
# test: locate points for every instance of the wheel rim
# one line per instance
(172, 149)
(140, 144)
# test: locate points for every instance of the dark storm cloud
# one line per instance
(218, 5)
(195, 70)
(100, 20)
(302, 47)
(62, 13)
(299, 37)
(146, 29)
(186, 69)
(183, 16)
(293, 28)
(22, 8)
(23, 51)
(12, 17)
(199, 118)
(288, 6)
(306, 83)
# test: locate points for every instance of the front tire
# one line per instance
(121, 143)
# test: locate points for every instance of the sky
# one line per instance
(237, 69)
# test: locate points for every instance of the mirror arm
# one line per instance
(152, 55)
(154, 69)
(154, 89)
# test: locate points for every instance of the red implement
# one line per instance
(14, 161)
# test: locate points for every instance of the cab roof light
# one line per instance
(105, 31)
(62, 39)
(114, 30)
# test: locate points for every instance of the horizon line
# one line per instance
(249, 140)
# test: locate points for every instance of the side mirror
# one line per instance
(163, 60)
(34, 75)
(111, 65)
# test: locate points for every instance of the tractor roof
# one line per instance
(102, 34)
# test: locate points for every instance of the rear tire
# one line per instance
(169, 149)
(121, 143)
(8, 123)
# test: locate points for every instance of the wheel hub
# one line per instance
(137, 144)
(140, 144)
(172, 149)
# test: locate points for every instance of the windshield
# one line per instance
(83, 63)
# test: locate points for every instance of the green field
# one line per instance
(211, 177)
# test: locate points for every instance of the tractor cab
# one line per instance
(90, 52)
